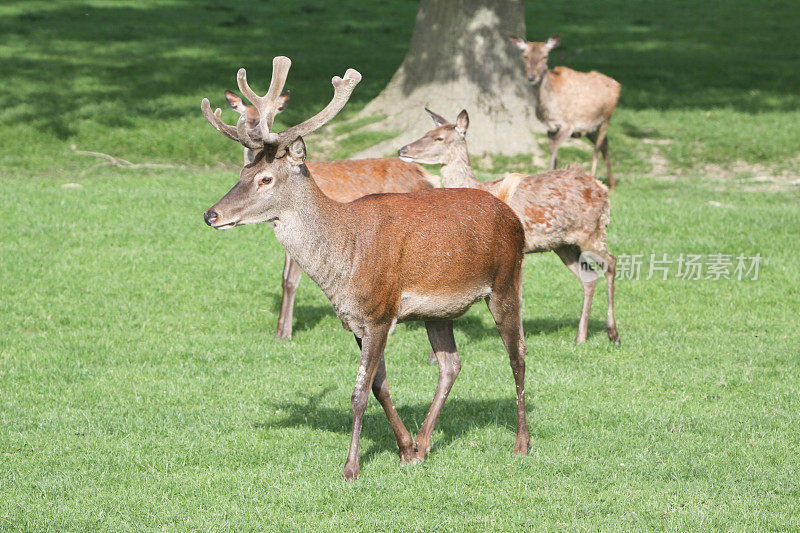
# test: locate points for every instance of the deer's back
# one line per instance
(582, 100)
(558, 207)
(444, 248)
(344, 181)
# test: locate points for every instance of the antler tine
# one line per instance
(244, 136)
(266, 105)
(227, 130)
(342, 89)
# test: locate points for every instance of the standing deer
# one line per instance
(566, 211)
(570, 103)
(342, 181)
(383, 258)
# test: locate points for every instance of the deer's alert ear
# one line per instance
(552, 42)
(438, 120)
(522, 44)
(283, 102)
(297, 151)
(462, 122)
(235, 102)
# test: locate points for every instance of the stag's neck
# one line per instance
(313, 230)
(457, 172)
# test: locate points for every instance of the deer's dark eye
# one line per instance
(439, 139)
(266, 180)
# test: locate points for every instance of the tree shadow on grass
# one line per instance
(110, 63)
(459, 416)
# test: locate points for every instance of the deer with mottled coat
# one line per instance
(383, 258)
(566, 211)
(570, 103)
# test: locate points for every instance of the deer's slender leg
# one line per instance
(612, 183)
(611, 323)
(507, 313)
(593, 137)
(557, 138)
(440, 334)
(291, 279)
(599, 247)
(373, 344)
(570, 256)
(600, 141)
(380, 388)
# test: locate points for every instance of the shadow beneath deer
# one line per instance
(459, 417)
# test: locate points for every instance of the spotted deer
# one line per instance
(570, 103)
(566, 211)
(341, 180)
(383, 258)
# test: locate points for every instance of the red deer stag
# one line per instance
(566, 211)
(383, 258)
(570, 103)
(342, 181)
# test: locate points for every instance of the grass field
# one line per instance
(140, 387)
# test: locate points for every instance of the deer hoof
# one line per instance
(283, 336)
(350, 473)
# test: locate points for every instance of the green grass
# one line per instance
(140, 387)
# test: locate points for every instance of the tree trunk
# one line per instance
(459, 58)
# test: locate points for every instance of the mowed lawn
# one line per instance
(140, 387)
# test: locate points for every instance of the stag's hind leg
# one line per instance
(440, 334)
(570, 256)
(291, 279)
(506, 309)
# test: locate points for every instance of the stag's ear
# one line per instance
(235, 102)
(522, 44)
(297, 151)
(462, 122)
(438, 120)
(283, 102)
(552, 42)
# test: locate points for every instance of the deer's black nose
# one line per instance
(402, 151)
(210, 216)
(531, 77)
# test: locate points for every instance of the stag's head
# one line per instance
(440, 146)
(535, 54)
(267, 185)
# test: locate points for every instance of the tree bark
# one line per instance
(460, 57)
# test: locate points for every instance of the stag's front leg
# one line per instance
(372, 346)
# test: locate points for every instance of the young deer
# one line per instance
(383, 258)
(566, 211)
(342, 181)
(570, 103)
